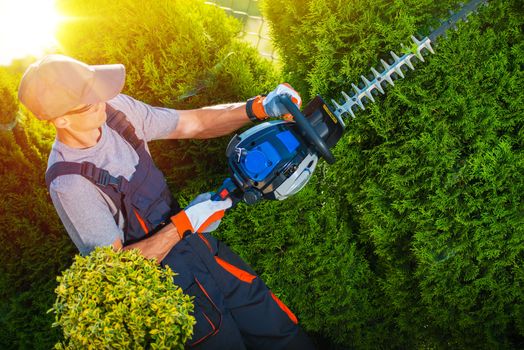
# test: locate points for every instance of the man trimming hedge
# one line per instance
(107, 191)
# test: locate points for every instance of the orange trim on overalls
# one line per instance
(242, 275)
(284, 308)
(214, 305)
(202, 237)
(141, 222)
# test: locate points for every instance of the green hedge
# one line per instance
(415, 237)
(8, 102)
(35, 247)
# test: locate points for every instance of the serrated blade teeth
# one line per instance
(377, 85)
(356, 97)
(409, 64)
(395, 57)
(385, 64)
(419, 56)
(416, 41)
(367, 88)
(428, 46)
(346, 97)
(398, 70)
(337, 106)
(351, 112)
(357, 90)
(389, 80)
(370, 96)
(379, 88)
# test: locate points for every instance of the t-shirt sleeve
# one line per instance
(84, 213)
(153, 123)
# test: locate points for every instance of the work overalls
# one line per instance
(234, 309)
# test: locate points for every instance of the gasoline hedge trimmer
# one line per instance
(276, 159)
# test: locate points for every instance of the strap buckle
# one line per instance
(88, 170)
(98, 176)
(103, 178)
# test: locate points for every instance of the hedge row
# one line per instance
(415, 237)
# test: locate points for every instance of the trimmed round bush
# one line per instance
(120, 299)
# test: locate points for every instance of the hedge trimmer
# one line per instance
(276, 159)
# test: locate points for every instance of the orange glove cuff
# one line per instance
(182, 223)
(255, 109)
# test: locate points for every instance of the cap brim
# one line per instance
(108, 81)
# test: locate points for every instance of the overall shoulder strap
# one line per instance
(117, 121)
(97, 176)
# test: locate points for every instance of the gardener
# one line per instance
(107, 191)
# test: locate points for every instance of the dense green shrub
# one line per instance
(178, 54)
(120, 299)
(415, 237)
(35, 247)
(8, 103)
(325, 45)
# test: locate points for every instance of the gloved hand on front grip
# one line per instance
(261, 107)
(201, 215)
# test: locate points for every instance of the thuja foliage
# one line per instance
(8, 103)
(122, 300)
(415, 237)
(178, 54)
(35, 247)
(326, 44)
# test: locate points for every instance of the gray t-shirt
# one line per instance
(86, 212)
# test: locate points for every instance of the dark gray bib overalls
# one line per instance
(145, 201)
(233, 306)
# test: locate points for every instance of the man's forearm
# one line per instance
(222, 120)
(158, 245)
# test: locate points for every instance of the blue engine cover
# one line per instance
(261, 157)
(261, 160)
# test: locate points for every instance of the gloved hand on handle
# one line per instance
(261, 107)
(201, 215)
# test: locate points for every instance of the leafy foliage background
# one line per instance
(426, 196)
(413, 239)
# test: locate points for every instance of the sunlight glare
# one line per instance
(27, 27)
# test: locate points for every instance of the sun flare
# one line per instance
(27, 27)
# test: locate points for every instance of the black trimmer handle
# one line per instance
(310, 133)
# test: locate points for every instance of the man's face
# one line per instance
(83, 117)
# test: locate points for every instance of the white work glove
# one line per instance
(262, 107)
(201, 215)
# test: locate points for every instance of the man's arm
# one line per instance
(90, 223)
(209, 122)
(156, 246)
(202, 212)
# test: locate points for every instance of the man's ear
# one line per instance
(61, 122)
